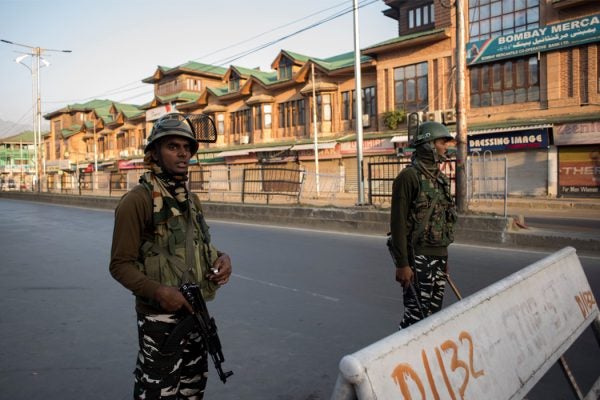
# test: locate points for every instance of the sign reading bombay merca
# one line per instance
(569, 33)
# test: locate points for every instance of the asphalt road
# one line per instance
(298, 301)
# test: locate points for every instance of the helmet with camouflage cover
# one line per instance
(430, 131)
(172, 124)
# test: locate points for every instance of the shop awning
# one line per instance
(508, 129)
(233, 153)
(311, 146)
(267, 149)
(399, 139)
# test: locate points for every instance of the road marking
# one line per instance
(275, 285)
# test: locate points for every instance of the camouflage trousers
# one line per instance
(430, 282)
(176, 376)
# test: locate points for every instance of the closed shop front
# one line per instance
(373, 150)
(578, 159)
(526, 153)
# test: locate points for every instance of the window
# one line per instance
(57, 134)
(194, 85)
(241, 122)
(121, 140)
(326, 99)
(491, 18)
(410, 87)
(258, 117)
(268, 116)
(369, 101)
(285, 68)
(220, 124)
(509, 82)
(421, 16)
(291, 114)
(234, 82)
(346, 112)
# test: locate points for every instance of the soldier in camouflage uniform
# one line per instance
(158, 224)
(422, 220)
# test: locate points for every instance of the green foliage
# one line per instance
(393, 119)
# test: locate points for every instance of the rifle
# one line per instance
(207, 325)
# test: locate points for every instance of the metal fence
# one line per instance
(381, 177)
(270, 182)
(487, 178)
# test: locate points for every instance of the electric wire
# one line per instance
(234, 57)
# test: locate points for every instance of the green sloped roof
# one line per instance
(340, 61)
(219, 91)
(200, 67)
(190, 66)
(404, 38)
(264, 77)
(24, 137)
(180, 96)
(101, 107)
(296, 56)
(128, 110)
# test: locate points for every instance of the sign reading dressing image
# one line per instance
(503, 141)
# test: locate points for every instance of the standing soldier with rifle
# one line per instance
(161, 251)
(422, 222)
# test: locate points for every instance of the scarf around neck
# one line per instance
(169, 193)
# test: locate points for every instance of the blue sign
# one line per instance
(506, 141)
(550, 37)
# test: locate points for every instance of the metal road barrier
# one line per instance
(381, 175)
(271, 182)
(452, 353)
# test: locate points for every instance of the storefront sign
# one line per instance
(570, 33)
(57, 165)
(370, 146)
(582, 133)
(324, 154)
(579, 171)
(157, 112)
(503, 141)
(127, 164)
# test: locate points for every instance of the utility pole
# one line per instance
(36, 54)
(461, 117)
(358, 112)
(315, 130)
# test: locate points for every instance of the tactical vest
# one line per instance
(433, 213)
(158, 257)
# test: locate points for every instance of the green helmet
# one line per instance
(429, 131)
(172, 124)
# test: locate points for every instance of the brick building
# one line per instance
(533, 96)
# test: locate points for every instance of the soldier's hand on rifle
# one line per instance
(404, 275)
(171, 299)
(221, 269)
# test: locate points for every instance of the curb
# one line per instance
(470, 229)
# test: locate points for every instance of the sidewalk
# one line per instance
(527, 206)
(530, 223)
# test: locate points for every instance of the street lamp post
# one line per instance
(358, 110)
(36, 52)
(32, 71)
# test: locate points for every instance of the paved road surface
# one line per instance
(299, 300)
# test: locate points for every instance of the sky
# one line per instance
(116, 43)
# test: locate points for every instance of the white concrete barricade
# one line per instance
(494, 344)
